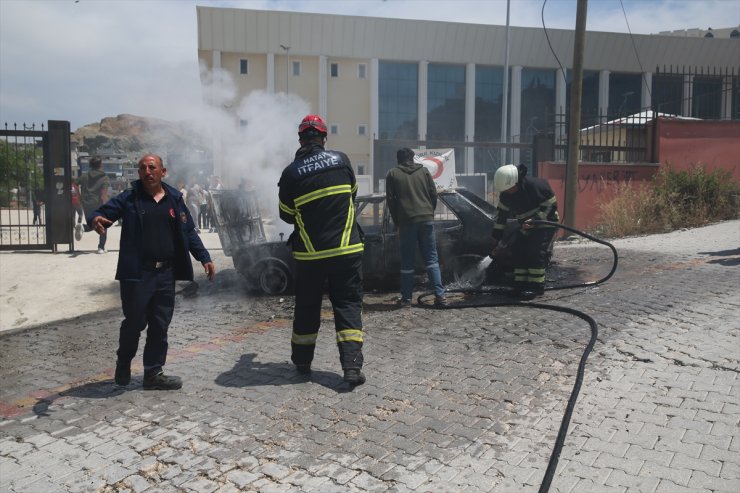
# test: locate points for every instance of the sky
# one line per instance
(83, 60)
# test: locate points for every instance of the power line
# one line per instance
(634, 47)
(548, 39)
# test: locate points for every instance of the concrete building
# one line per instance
(383, 83)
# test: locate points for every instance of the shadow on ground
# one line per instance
(247, 372)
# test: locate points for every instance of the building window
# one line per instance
(361, 71)
(624, 94)
(398, 105)
(360, 169)
(296, 68)
(361, 130)
(334, 70)
(334, 129)
(589, 98)
(538, 101)
(446, 102)
(707, 98)
(244, 66)
(488, 107)
(667, 93)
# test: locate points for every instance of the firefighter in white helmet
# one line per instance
(523, 199)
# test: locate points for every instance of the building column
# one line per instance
(323, 92)
(647, 83)
(561, 109)
(374, 115)
(688, 94)
(470, 117)
(270, 83)
(603, 95)
(515, 111)
(423, 87)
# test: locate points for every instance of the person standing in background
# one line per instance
(94, 192)
(77, 210)
(412, 198)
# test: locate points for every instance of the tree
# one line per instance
(20, 171)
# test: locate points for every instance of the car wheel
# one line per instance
(274, 277)
(470, 270)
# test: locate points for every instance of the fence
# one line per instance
(35, 187)
(625, 139)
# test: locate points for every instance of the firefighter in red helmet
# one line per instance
(317, 195)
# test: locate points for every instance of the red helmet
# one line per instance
(312, 122)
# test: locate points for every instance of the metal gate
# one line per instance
(35, 187)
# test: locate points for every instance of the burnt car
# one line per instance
(463, 225)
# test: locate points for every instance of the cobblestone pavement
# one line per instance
(456, 400)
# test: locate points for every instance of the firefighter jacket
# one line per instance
(127, 206)
(411, 194)
(317, 195)
(534, 199)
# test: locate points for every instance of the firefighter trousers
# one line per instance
(530, 258)
(343, 277)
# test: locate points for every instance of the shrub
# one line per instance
(674, 199)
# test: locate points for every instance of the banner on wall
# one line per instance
(440, 163)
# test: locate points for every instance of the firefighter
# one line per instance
(523, 199)
(317, 195)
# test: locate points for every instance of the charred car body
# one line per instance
(463, 224)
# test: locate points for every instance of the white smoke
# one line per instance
(253, 139)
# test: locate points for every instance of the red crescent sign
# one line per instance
(438, 163)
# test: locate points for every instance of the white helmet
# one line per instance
(505, 178)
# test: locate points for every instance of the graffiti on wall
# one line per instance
(604, 179)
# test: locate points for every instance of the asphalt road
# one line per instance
(461, 399)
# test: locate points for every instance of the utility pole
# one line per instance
(287, 66)
(574, 134)
(505, 95)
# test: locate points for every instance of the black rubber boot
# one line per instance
(157, 380)
(354, 376)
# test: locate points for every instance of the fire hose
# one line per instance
(563, 431)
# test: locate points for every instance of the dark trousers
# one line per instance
(343, 276)
(530, 258)
(147, 304)
(203, 216)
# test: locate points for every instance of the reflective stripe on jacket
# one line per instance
(317, 195)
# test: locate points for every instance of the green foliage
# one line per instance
(96, 143)
(19, 171)
(675, 199)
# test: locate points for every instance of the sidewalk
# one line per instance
(457, 400)
(39, 286)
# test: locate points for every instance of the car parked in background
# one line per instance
(463, 226)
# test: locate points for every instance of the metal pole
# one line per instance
(287, 67)
(574, 134)
(505, 96)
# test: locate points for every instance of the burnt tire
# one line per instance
(273, 277)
